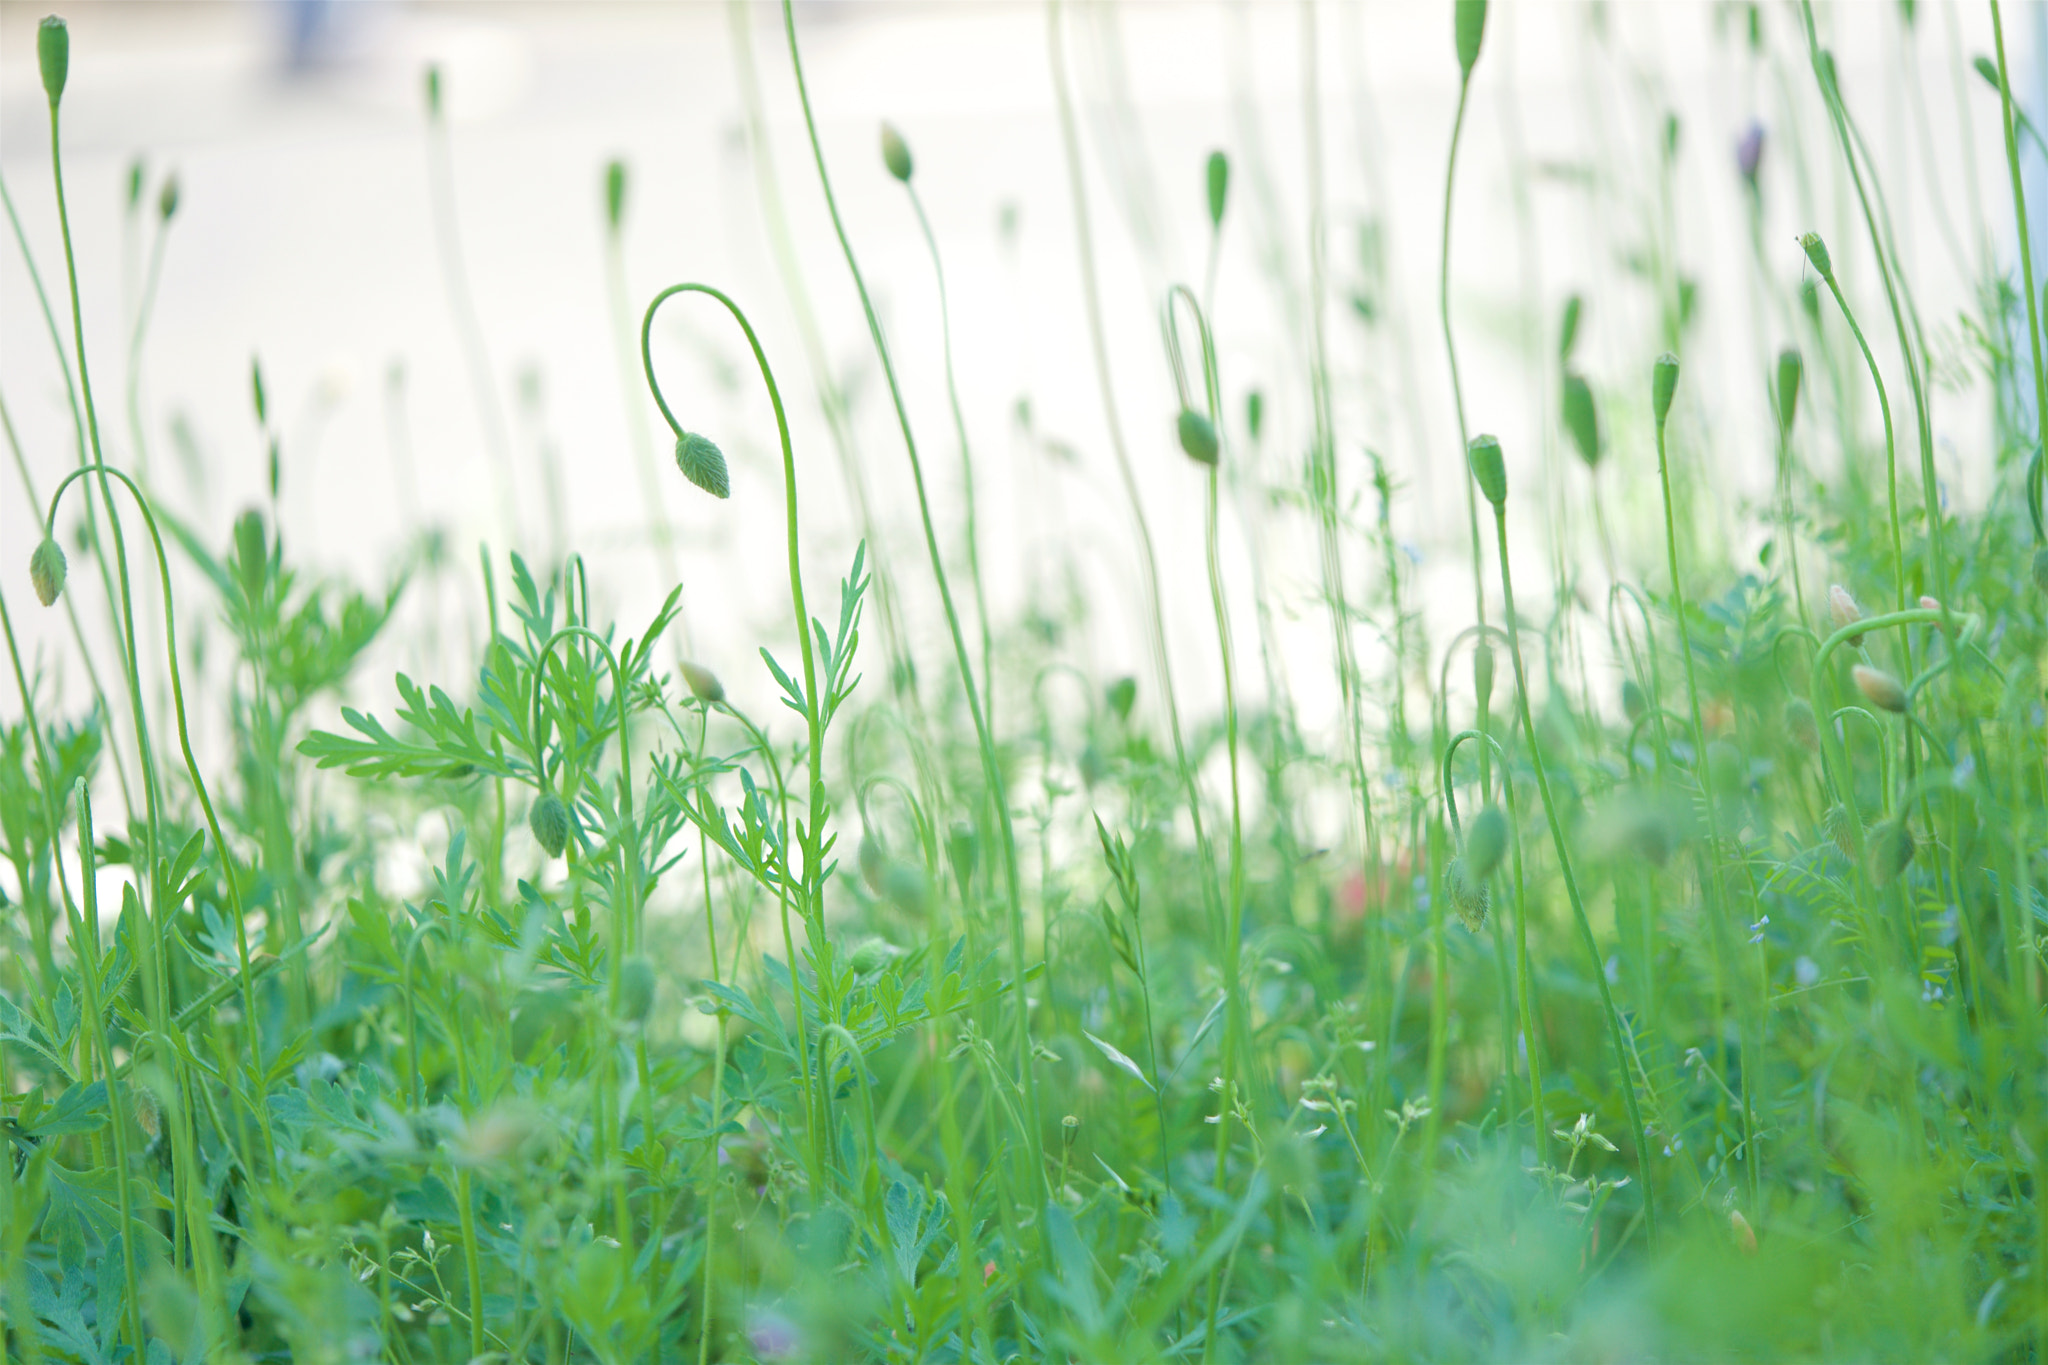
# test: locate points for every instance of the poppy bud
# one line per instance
(46, 570)
(1790, 368)
(1489, 469)
(906, 887)
(703, 464)
(1817, 252)
(1219, 188)
(1121, 695)
(872, 861)
(1663, 384)
(872, 956)
(1482, 673)
(1471, 29)
(1891, 851)
(1879, 688)
(1581, 418)
(963, 850)
(636, 989)
(549, 821)
(1843, 611)
(1197, 437)
(896, 153)
(702, 682)
(53, 54)
(1486, 842)
(167, 199)
(1468, 894)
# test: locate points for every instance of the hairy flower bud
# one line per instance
(46, 570)
(896, 153)
(1817, 252)
(1197, 437)
(1488, 468)
(1843, 611)
(1879, 688)
(702, 682)
(549, 821)
(1663, 385)
(53, 54)
(1468, 893)
(1891, 851)
(1486, 842)
(703, 464)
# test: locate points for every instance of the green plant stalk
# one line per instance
(1891, 464)
(1443, 303)
(813, 884)
(143, 314)
(992, 772)
(988, 675)
(1571, 881)
(45, 961)
(717, 1108)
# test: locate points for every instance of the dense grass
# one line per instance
(1674, 992)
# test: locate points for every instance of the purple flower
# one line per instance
(1749, 152)
(773, 1336)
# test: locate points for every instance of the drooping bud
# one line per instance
(1489, 469)
(549, 821)
(1879, 688)
(614, 193)
(703, 464)
(53, 54)
(1835, 824)
(1121, 696)
(1218, 176)
(906, 887)
(1582, 418)
(636, 989)
(896, 153)
(1749, 152)
(167, 199)
(1843, 611)
(1486, 842)
(1482, 673)
(1790, 369)
(1467, 893)
(702, 682)
(1891, 851)
(46, 570)
(1663, 384)
(1197, 437)
(1471, 30)
(1799, 723)
(1817, 252)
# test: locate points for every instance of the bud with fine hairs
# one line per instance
(1817, 252)
(1486, 842)
(896, 153)
(1879, 688)
(1468, 893)
(702, 682)
(549, 821)
(1843, 611)
(46, 570)
(703, 464)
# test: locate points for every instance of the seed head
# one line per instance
(549, 821)
(1471, 29)
(1488, 468)
(636, 989)
(53, 54)
(1790, 368)
(1582, 418)
(46, 569)
(1843, 611)
(1817, 252)
(1663, 384)
(1486, 842)
(615, 193)
(1749, 152)
(1218, 175)
(702, 682)
(1197, 437)
(896, 153)
(167, 199)
(703, 464)
(1468, 893)
(1891, 851)
(1879, 688)
(2041, 569)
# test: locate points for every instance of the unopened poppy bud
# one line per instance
(1799, 722)
(896, 153)
(2041, 569)
(1121, 696)
(703, 464)
(1891, 851)
(1486, 842)
(53, 54)
(1471, 30)
(963, 850)
(167, 199)
(702, 682)
(615, 193)
(46, 570)
(1489, 469)
(1835, 824)
(1790, 369)
(906, 887)
(1197, 437)
(1663, 384)
(636, 989)
(1218, 176)
(1879, 688)
(872, 956)
(1482, 673)
(1468, 893)
(1843, 611)
(1582, 418)
(252, 552)
(1633, 702)
(549, 821)
(1817, 252)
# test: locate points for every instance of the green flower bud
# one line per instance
(963, 850)
(53, 54)
(1581, 418)
(1482, 673)
(1122, 695)
(136, 177)
(636, 989)
(1835, 824)
(1471, 29)
(1663, 384)
(1489, 469)
(703, 464)
(1255, 413)
(1891, 851)
(167, 199)
(1879, 688)
(1817, 252)
(1486, 842)
(1843, 611)
(872, 956)
(1219, 188)
(905, 886)
(615, 193)
(1790, 368)
(702, 682)
(1468, 894)
(549, 821)
(1197, 437)
(252, 552)
(896, 153)
(1633, 702)
(46, 570)
(1568, 329)
(1799, 723)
